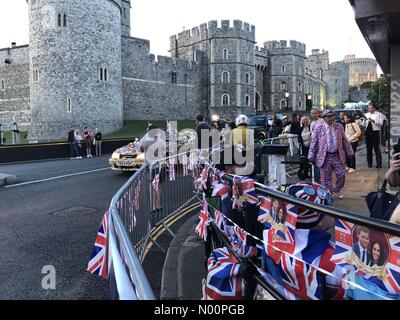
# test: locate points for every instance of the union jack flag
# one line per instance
(237, 235)
(220, 220)
(203, 222)
(185, 169)
(221, 190)
(280, 235)
(172, 175)
(385, 275)
(223, 279)
(299, 271)
(156, 182)
(244, 192)
(308, 218)
(133, 205)
(282, 290)
(98, 264)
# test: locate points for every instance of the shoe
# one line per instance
(370, 166)
(351, 170)
(77, 157)
(339, 195)
(73, 158)
(90, 156)
(80, 158)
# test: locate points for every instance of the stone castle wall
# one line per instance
(148, 89)
(14, 98)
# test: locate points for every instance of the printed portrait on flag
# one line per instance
(279, 221)
(369, 253)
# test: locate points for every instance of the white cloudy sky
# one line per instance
(325, 24)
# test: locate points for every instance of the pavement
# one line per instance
(51, 217)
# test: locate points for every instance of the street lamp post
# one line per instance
(287, 94)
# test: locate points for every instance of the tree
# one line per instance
(380, 93)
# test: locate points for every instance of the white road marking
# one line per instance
(56, 178)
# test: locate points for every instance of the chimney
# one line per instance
(13, 44)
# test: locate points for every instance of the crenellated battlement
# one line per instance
(285, 47)
(214, 28)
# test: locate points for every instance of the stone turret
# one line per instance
(75, 74)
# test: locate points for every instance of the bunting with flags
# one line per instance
(243, 192)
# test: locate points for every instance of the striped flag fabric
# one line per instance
(224, 281)
(172, 172)
(203, 222)
(98, 260)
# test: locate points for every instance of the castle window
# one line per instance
(283, 104)
(69, 104)
(3, 85)
(225, 77)
(101, 74)
(225, 100)
(283, 86)
(247, 56)
(300, 86)
(247, 101)
(247, 78)
(300, 105)
(306, 70)
(226, 54)
(283, 69)
(35, 75)
(65, 20)
(59, 20)
(174, 78)
(105, 74)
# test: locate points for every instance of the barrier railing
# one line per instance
(154, 193)
(135, 210)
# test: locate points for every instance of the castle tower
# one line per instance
(287, 75)
(126, 18)
(75, 66)
(229, 62)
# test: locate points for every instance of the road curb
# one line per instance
(169, 281)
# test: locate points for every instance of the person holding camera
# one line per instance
(393, 178)
(373, 123)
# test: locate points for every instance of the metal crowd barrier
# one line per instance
(132, 219)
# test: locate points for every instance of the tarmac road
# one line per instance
(53, 222)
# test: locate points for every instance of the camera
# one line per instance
(396, 149)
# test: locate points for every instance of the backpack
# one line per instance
(362, 136)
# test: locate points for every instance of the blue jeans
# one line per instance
(73, 150)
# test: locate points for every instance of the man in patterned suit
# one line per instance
(328, 151)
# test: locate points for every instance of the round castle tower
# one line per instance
(75, 66)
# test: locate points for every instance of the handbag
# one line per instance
(381, 204)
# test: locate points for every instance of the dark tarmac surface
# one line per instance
(53, 223)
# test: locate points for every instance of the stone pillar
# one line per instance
(395, 95)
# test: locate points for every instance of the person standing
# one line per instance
(72, 144)
(328, 150)
(98, 138)
(202, 128)
(305, 141)
(353, 134)
(87, 137)
(316, 120)
(275, 128)
(78, 140)
(342, 120)
(373, 123)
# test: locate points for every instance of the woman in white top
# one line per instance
(353, 134)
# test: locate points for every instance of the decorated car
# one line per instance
(130, 157)
(127, 158)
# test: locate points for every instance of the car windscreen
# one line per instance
(257, 122)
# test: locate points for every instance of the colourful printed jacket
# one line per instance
(319, 144)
